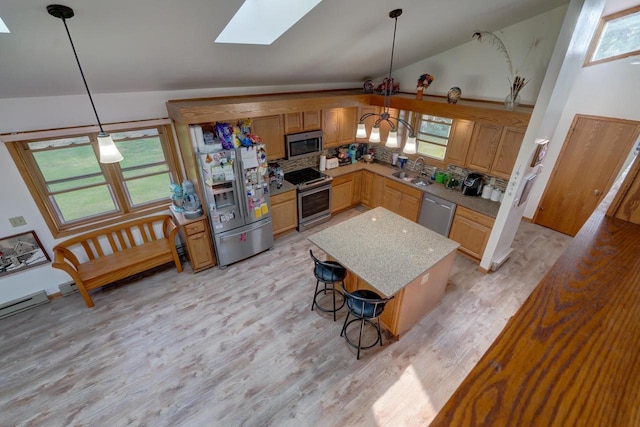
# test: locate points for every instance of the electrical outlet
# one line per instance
(17, 221)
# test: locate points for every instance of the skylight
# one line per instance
(3, 27)
(263, 21)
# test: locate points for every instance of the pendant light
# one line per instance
(108, 151)
(392, 139)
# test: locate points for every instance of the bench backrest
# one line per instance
(118, 237)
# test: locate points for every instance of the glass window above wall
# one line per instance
(75, 192)
(433, 135)
(618, 36)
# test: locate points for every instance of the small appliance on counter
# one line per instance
(472, 185)
(332, 162)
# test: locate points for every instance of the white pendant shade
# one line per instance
(410, 145)
(375, 134)
(392, 139)
(362, 131)
(108, 151)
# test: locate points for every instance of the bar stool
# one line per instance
(366, 306)
(330, 273)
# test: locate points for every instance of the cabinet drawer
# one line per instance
(341, 179)
(475, 216)
(283, 197)
(403, 188)
(194, 227)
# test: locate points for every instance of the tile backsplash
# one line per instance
(384, 155)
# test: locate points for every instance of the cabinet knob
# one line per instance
(596, 192)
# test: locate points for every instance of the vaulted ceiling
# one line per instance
(156, 45)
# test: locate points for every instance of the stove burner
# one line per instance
(304, 176)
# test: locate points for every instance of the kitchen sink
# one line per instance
(416, 180)
(420, 181)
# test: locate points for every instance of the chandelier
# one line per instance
(108, 151)
(385, 117)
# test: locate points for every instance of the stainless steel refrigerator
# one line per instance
(236, 191)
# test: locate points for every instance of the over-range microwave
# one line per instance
(303, 144)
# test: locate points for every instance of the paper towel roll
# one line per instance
(323, 163)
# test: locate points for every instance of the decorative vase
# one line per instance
(419, 92)
(511, 102)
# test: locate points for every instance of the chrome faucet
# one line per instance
(416, 164)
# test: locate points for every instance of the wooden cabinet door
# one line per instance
(199, 247)
(284, 212)
(410, 206)
(270, 129)
(459, 141)
(312, 120)
(330, 127)
(293, 122)
(391, 199)
(356, 196)
(472, 230)
(341, 193)
(348, 125)
(367, 189)
(507, 152)
(483, 147)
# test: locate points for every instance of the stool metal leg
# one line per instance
(313, 303)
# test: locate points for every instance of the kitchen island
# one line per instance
(393, 256)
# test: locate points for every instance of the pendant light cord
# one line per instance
(387, 100)
(64, 21)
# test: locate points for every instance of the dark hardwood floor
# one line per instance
(241, 346)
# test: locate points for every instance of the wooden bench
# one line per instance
(104, 256)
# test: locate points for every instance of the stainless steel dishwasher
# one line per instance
(437, 214)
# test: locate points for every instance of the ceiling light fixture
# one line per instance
(108, 151)
(385, 117)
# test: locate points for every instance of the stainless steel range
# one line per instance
(314, 196)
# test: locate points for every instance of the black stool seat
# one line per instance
(365, 306)
(329, 273)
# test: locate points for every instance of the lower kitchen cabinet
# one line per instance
(401, 199)
(196, 236)
(371, 190)
(284, 212)
(343, 190)
(472, 230)
(356, 196)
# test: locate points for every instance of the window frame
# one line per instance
(417, 125)
(595, 41)
(17, 144)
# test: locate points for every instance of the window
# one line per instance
(75, 192)
(617, 36)
(433, 135)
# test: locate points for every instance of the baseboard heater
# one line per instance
(67, 289)
(495, 265)
(22, 304)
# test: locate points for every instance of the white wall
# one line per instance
(481, 71)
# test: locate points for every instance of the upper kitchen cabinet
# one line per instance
(339, 126)
(269, 128)
(459, 141)
(303, 121)
(507, 153)
(483, 146)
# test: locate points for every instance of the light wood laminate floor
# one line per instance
(240, 346)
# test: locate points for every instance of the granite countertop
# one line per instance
(384, 249)
(286, 186)
(478, 204)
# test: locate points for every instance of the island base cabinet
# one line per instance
(472, 230)
(412, 302)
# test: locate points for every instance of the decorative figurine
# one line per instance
(424, 81)
(368, 86)
(454, 94)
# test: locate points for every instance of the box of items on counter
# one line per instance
(346, 155)
(276, 174)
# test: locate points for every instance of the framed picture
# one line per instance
(21, 251)
(541, 151)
